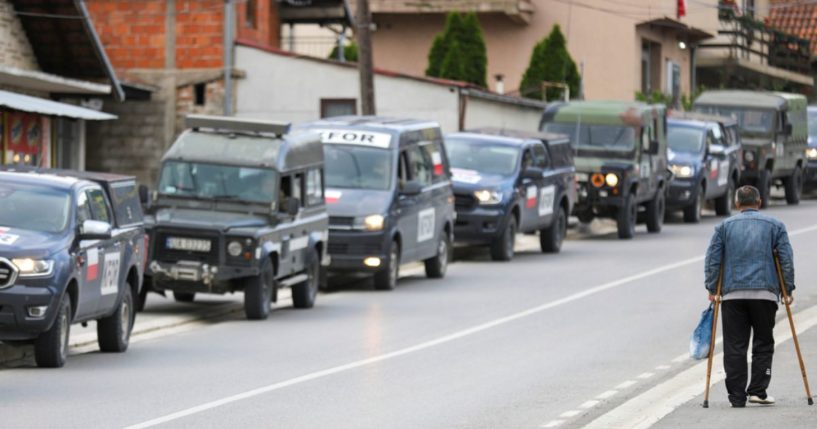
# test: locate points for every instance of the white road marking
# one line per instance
(645, 375)
(571, 413)
(589, 404)
(626, 384)
(662, 367)
(646, 409)
(552, 423)
(681, 358)
(607, 395)
(428, 344)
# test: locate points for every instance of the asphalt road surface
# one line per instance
(543, 341)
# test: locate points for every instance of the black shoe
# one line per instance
(738, 405)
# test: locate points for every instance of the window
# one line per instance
(650, 67)
(200, 94)
(338, 107)
(314, 187)
(540, 156)
(297, 187)
(83, 209)
(99, 207)
(435, 154)
(250, 13)
(403, 173)
(420, 165)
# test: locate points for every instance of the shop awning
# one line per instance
(46, 82)
(42, 106)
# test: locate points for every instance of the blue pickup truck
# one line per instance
(72, 249)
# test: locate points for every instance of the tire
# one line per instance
(723, 204)
(303, 294)
(502, 246)
(764, 185)
(437, 266)
(258, 292)
(142, 298)
(794, 187)
(51, 347)
(386, 279)
(551, 238)
(184, 296)
(656, 209)
(113, 332)
(692, 214)
(626, 217)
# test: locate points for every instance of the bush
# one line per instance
(550, 62)
(459, 53)
(349, 53)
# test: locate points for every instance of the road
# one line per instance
(543, 341)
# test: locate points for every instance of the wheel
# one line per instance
(627, 214)
(551, 238)
(692, 213)
(51, 347)
(764, 185)
(437, 266)
(502, 246)
(794, 187)
(303, 294)
(113, 332)
(723, 204)
(142, 297)
(655, 212)
(184, 296)
(258, 292)
(386, 279)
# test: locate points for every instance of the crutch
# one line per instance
(714, 332)
(791, 324)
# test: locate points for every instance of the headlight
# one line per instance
(811, 153)
(234, 249)
(749, 156)
(372, 222)
(611, 179)
(488, 197)
(34, 267)
(682, 170)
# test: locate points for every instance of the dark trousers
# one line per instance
(742, 317)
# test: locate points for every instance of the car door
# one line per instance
(441, 192)
(716, 163)
(421, 168)
(549, 184)
(529, 190)
(110, 252)
(88, 262)
(406, 208)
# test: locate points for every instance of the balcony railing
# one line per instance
(518, 10)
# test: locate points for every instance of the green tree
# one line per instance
(550, 62)
(462, 45)
(349, 53)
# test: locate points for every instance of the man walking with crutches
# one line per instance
(745, 244)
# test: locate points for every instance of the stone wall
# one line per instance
(15, 50)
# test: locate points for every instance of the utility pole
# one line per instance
(229, 20)
(364, 59)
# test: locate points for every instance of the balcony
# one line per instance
(519, 11)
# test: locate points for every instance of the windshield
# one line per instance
(596, 136)
(485, 158)
(685, 139)
(355, 167)
(218, 182)
(754, 121)
(812, 124)
(33, 208)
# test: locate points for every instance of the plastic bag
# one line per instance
(702, 336)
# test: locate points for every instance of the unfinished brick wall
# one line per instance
(199, 33)
(265, 29)
(15, 50)
(186, 103)
(132, 31)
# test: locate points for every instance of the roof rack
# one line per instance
(236, 124)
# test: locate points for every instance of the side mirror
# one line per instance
(533, 173)
(717, 150)
(787, 129)
(290, 206)
(411, 188)
(653, 150)
(144, 195)
(95, 230)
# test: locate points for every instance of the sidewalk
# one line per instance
(791, 410)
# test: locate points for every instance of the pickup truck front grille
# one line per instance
(336, 248)
(7, 274)
(464, 202)
(341, 222)
(163, 254)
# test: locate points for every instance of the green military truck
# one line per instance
(621, 160)
(774, 131)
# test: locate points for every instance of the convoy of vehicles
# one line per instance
(621, 160)
(71, 251)
(511, 181)
(253, 206)
(239, 207)
(388, 194)
(774, 133)
(704, 156)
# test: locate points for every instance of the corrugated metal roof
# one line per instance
(51, 108)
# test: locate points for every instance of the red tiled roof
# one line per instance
(795, 17)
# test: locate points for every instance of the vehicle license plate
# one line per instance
(189, 244)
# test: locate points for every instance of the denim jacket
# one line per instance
(747, 241)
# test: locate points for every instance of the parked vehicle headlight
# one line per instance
(34, 267)
(374, 222)
(234, 249)
(488, 197)
(682, 171)
(748, 156)
(811, 153)
(611, 179)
